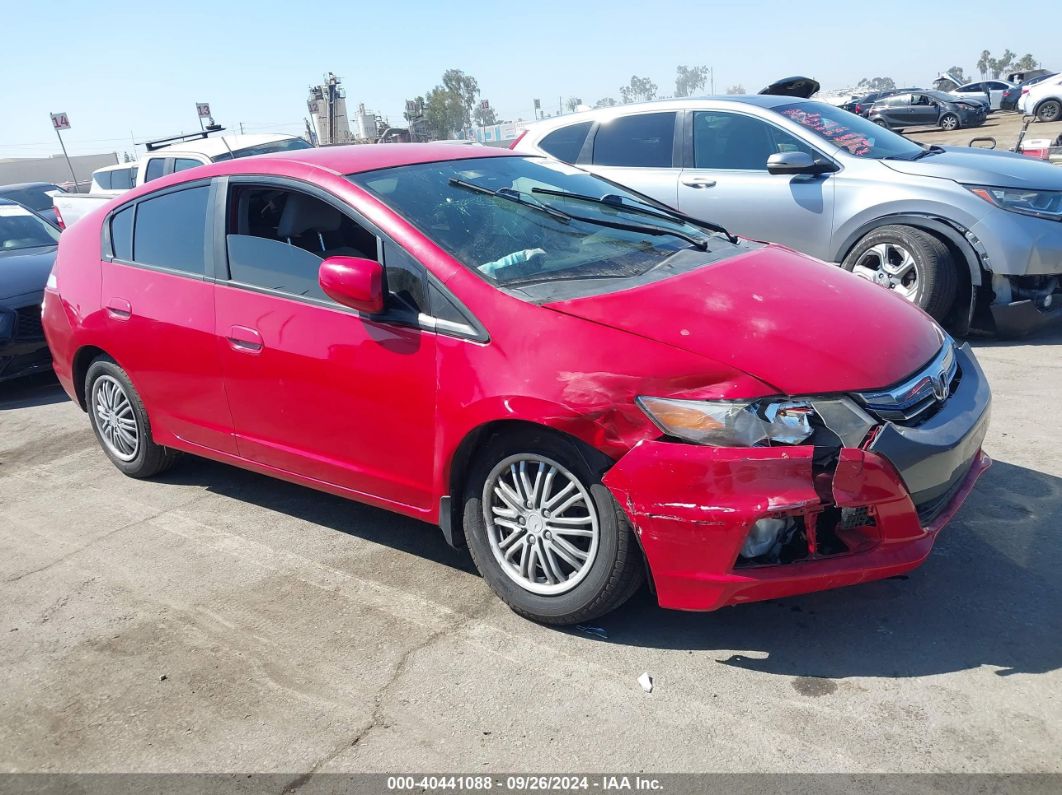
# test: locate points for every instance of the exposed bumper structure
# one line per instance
(874, 514)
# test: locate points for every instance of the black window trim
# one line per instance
(107, 247)
(474, 331)
(689, 164)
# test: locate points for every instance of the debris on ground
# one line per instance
(597, 632)
(646, 682)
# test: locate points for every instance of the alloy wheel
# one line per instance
(890, 265)
(115, 418)
(949, 123)
(541, 523)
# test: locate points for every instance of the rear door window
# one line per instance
(170, 229)
(566, 143)
(155, 168)
(122, 179)
(644, 140)
(183, 163)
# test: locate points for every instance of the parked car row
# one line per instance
(961, 232)
(567, 354)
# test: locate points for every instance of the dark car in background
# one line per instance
(927, 109)
(27, 251)
(38, 196)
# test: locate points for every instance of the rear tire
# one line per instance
(120, 421)
(949, 122)
(593, 560)
(1049, 110)
(911, 262)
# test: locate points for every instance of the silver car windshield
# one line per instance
(858, 136)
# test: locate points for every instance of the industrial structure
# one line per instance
(327, 105)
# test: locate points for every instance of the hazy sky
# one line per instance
(127, 70)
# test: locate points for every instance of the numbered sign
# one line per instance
(60, 121)
(203, 109)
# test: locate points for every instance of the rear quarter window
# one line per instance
(566, 143)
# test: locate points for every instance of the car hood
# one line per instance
(983, 167)
(25, 270)
(796, 323)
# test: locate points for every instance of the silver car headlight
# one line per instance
(1038, 203)
(756, 423)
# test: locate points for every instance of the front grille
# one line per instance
(28, 323)
(915, 400)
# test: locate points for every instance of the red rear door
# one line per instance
(159, 307)
(316, 389)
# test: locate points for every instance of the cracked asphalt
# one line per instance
(217, 620)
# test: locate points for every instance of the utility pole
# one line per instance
(711, 74)
(60, 121)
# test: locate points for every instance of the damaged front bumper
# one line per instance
(874, 512)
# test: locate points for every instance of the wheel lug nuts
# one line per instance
(522, 520)
(545, 514)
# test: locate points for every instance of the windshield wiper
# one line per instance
(515, 197)
(616, 202)
(932, 149)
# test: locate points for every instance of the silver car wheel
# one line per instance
(891, 266)
(949, 123)
(541, 523)
(115, 418)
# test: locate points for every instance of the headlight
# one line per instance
(756, 423)
(1039, 203)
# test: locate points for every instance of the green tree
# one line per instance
(1026, 63)
(997, 66)
(572, 104)
(688, 81)
(448, 107)
(958, 73)
(738, 89)
(983, 62)
(877, 83)
(606, 102)
(484, 116)
(640, 89)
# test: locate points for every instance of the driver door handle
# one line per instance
(698, 182)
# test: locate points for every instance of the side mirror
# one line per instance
(353, 281)
(796, 163)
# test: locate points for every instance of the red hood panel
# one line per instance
(801, 325)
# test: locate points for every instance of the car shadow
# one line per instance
(1048, 336)
(336, 513)
(989, 594)
(33, 390)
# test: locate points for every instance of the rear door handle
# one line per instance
(698, 182)
(245, 340)
(119, 308)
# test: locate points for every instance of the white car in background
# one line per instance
(992, 90)
(1043, 100)
(168, 156)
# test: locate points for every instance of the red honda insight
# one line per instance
(583, 386)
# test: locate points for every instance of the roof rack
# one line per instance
(162, 143)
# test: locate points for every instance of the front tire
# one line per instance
(908, 261)
(1049, 111)
(545, 533)
(949, 122)
(120, 422)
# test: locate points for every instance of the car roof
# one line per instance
(767, 101)
(115, 167)
(355, 158)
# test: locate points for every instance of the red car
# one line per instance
(581, 385)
